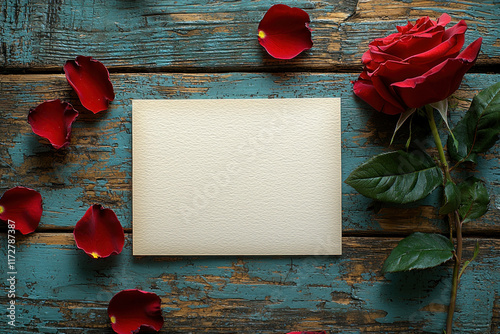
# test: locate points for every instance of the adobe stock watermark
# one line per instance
(11, 273)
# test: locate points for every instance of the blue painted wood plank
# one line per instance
(214, 35)
(69, 292)
(96, 167)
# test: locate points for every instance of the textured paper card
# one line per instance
(237, 177)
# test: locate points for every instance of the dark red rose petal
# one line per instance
(426, 40)
(23, 206)
(365, 90)
(439, 82)
(52, 120)
(449, 48)
(414, 44)
(133, 311)
(284, 31)
(90, 79)
(395, 71)
(99, 233)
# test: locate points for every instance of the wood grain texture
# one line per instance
(69, 292)
(62, 290)
(196, 35)
(96, 167)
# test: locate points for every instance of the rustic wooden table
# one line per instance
(208, 49)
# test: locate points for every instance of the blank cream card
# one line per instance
(237, 177)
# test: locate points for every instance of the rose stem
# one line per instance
(437, 140)
(452, 217)
(456, 278)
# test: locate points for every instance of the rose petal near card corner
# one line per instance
(90, 80)
(23, 207)
(284, 31)
(52, 120)
(135, 311)
(99, 232)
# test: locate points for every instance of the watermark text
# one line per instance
(11, 273)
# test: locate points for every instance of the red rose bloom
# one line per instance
(418, 65)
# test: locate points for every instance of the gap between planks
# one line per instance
(346, 234)
(493, 68)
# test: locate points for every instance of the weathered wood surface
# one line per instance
(62, 290)
(69, 291)
(212, 35)
(96, 167)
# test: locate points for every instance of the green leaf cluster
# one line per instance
(479, 128)
(403, 177)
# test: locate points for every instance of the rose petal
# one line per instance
(23, 206)
(90, 79)
(459, 28)
(394, 71)
(444, 19)
(52, 120)
(133, 311)
(449, 48)
(413, 44)
(379, 83)
(99, 233)
(412, 40)
(373, 58)
(439, 82)
(365, 90)
(284, 31)
(404, 29)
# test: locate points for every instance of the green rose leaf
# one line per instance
(396, 177)
(419, 251)
(479, 128)
(452, 198)
(475, 199)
